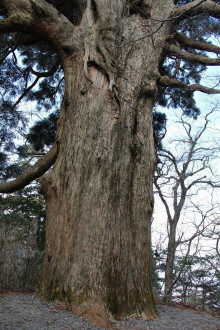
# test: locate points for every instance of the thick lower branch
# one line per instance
(171, 82)
(197, 7)
(6, 25)
(41, 166)
(174, 50)
(37, 17)
(196, 44)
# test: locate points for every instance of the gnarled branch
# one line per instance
(34, 172)
(196, 44)
(197, 7)
(37, 17)
(168, 81)
(7, 25)
(174, 50)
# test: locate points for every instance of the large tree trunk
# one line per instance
(99, 194)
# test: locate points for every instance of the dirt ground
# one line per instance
(19, 310)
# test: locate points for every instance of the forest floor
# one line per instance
(20, 310)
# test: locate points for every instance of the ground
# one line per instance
(21, 310)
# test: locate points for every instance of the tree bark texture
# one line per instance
(99, 194)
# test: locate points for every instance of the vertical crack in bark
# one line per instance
(96, 48)
(95, 11)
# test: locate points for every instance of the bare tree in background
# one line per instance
(182, 176)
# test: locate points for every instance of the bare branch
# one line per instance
(168, 81)
(180, 169)
(176, 51)
(197, 7)
(41, 166)
(164, 201)
(208, 182)
(168, 154)
(195, 172)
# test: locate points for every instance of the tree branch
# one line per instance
(183, 265)
(174, 50)
(196, 44)
(38, 76)
(171, 82)
(168, 154)
(11, 47)
(41, 166)
(27, 90)
(164, 201)
(7, 25)
(37, 17)
(197, 7)
(202, 181)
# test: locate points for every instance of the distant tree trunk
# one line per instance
(168, 288)
(185, 285)
(203, 302)
(183, 298)
(99, 194)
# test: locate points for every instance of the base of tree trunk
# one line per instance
(96, 312)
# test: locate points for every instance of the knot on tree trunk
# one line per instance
(149, 89)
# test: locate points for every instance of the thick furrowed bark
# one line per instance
(99, 194)
(99, 198)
